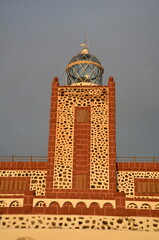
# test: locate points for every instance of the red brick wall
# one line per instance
(80, 209)
(137, 166)
(23, 165)
(81, 154)
(52, 135)
(112, 134)
(53, 117)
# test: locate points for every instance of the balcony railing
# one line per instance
(137, 159)
(23, 158)
(45, 159)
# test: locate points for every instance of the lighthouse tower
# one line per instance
(82, 136)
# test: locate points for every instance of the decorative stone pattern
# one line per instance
(145, 206)
(47, 202)
(125, 182)
(132, 206)
(11, 202)
(15, 204)
(37, 179)
(3, 204)
(157, 207)
(40, 204)
(142, 205)
(79, 222)
(68, 99)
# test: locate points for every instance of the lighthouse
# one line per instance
(82, 137)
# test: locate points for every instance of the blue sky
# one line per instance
(37, 40)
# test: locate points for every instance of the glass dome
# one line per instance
(84, 68)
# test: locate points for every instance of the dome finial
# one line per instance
(85, 44)
(85, 34)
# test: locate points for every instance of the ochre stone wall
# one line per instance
(79, 222)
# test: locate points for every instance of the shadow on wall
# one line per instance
(25, 238)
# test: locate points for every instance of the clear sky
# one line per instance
(37, 40)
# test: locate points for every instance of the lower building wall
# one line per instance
(79, 222)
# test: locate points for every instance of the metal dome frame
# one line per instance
(84, 67)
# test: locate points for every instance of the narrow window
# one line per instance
(13, 185)
(147, 187)
(80, 182)
(82, 115)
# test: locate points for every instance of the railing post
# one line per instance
(134, 159)
(12, 158)
(153, 158)
(31, 158)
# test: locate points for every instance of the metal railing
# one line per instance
(23, 158)
(137, 159)
(45, 159)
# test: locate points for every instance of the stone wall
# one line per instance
(79, 222)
